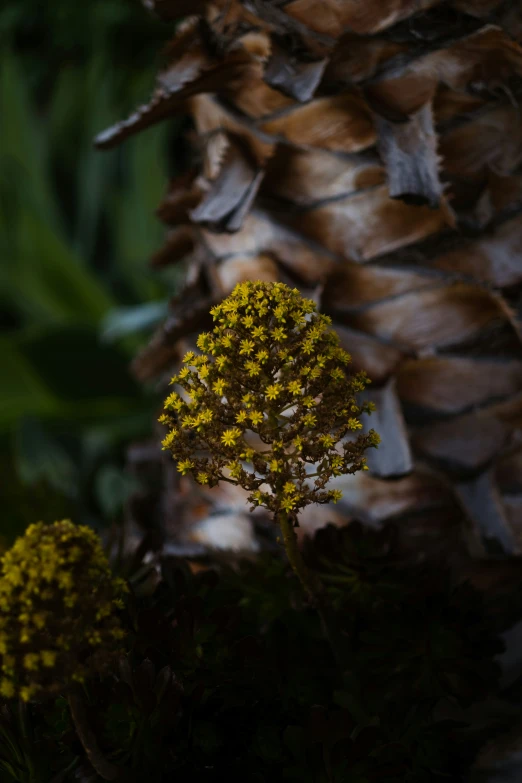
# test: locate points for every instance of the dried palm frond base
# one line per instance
(371, 154)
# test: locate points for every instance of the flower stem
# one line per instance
(103, 767)
(310, 582)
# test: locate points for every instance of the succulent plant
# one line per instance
(57, 610)
(58, 620)
(272, 393)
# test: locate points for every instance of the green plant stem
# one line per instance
(103, 767)
(310, 583)
(27, 744)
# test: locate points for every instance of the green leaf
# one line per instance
(294, 739)
(77, 367)
(8, 738)
(93, 169)
(15, 776)
(113, 488)
(267, 743)
(123, 321)
(47, 281)
(39, 456)
(137, 229)
(22, 391)
(66, 373)
(23, 156)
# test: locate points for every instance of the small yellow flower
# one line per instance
(169, 439)
(279, 334)
(247, 346)
(7, 689)
(310, 420)
(273, 391)
(185, 466)
(31, 661)
(256, 417)
(229, 437)
(336, 461)
(279, 313)
(337, 374)
(294, 387)
(298, 443)
(226, 341)
(26, 692)
(327, 441)
(235, 469)
(219, 387)
(203, 478)
(48, 658)
(241, 417)
(206, 416)
(65, 580)
(232, 319)
(171, 400)
(259, 333)
(252, 368)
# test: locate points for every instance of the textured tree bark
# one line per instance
(387, 136)
(103, 767)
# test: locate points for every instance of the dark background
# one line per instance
(77, 228)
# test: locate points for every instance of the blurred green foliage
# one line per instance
(76, 229)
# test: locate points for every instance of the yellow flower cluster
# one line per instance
(58, 601)
(272, 371)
